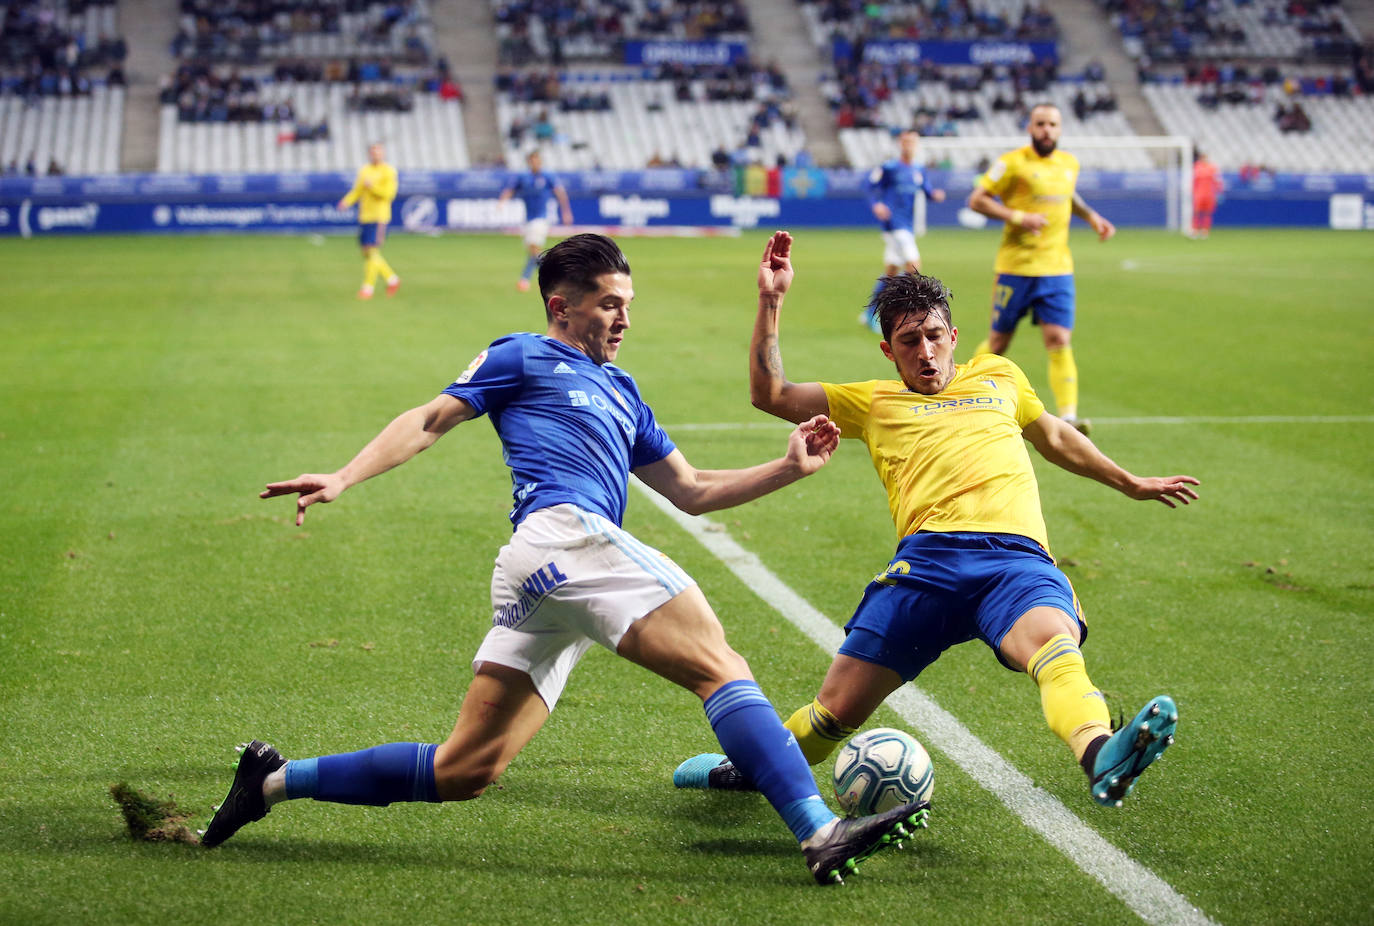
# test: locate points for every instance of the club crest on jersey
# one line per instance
(472, 368)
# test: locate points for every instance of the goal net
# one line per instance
(1138, 180)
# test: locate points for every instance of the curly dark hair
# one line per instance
(912, 293)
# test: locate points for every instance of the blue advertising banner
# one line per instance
(651, 53)
(899, 51)
(468, 200)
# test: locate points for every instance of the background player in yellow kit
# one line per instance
(373, 191)
(1036, 188)
(972, 561)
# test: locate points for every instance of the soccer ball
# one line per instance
(882, 769)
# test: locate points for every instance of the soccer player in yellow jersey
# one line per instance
(1032, 190)
(948, 442)
(373, 191)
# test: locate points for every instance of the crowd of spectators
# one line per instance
(944, 20)
(1239, 83)
(206, 92)
(860, 92)
(43, 56)
(590, 29)
(229, 50)
(246, 32)
(741, 81)
(1178, 30)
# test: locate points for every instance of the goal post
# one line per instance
(1143, 167)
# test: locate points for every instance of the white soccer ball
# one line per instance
(882, 769)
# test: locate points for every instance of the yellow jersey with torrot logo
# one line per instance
(955, 461)
(1024, 180)
(374, 205)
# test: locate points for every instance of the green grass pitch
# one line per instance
(153, 611)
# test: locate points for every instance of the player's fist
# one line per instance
(775, 270)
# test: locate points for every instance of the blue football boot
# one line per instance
(1131, 749)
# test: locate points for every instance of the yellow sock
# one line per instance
(1074, 708)
(817, 730)
(370, 270)
(383, 268)
(984, 347)
(1064, 381)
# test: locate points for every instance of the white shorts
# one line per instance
(568, 579)
(537, 232)
(899, 248)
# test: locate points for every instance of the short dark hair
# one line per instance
(571, 266)
(912, 293)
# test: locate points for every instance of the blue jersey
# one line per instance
(535, 191)
(571, 430)
(896, 184)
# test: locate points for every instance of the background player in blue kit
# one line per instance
(572, 427)
(536, 189)
(892, 191)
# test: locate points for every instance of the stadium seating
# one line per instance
(1254, 84)
(430, 136)
(986, 19)
(55, 117)
(558, 31)
(246, 32)
(642, 120)
(1160, 30)
(260, 89)
(866, 147)
(1341, 138)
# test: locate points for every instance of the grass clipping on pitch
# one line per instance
(152, 820)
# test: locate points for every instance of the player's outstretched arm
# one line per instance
(1065, 447)
(697, 491)
(769, 388)
(408, 433)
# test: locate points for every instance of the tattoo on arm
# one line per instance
(1080, 206)
(772, 357)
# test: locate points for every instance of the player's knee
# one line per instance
(464, 778)
(717, 668)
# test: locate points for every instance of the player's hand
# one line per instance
(1103, 227)
(775, 270)
(881, 212)
(1171, 490)
(309, 487)
(938, 196)
(1033, 222)
(812, 442)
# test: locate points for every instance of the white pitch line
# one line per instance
(1156, 419)
(1152, 899)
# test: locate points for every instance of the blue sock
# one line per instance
(766, 752)
(530, 264)
(376, 776)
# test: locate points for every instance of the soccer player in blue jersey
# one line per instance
(536, 190)
(972, 562)
(892, 192)
(573, 427)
